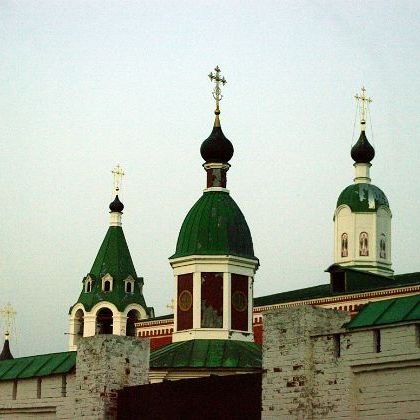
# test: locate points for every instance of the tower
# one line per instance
(111, 300)
(214, 262)
(362, 219)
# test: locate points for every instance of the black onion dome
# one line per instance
(362, 151)
(116, 205)
(216, 148)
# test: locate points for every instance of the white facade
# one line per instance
(363, 239)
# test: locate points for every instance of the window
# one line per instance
(377, 340)
(88, 285)
(104, 324)
(129, 287)
(107, 283)
(14, 391)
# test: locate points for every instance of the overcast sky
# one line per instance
(85, 85)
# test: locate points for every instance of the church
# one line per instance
(217, 324)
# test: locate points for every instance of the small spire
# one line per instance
(9, 314)
(6, 353)
(217, 92)
(364, 103)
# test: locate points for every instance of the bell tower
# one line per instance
(111, 300)
(362, 219)
(214, 262)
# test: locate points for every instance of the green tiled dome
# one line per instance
(363, 198)
(215, 226)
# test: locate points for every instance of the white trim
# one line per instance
(214, 165)
(137, 307)
(221, 189)
(104, 304)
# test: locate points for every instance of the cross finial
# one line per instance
(118, 174)
(171, 305)
(217, 93)
(9, 314)
(365, 101)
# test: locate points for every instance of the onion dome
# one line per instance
(362, 151)
(116, 205)
(215, 225)
(216, 148)
(363, 197)
(6, 354)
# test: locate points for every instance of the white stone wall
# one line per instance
(307, 376)
(104, 364)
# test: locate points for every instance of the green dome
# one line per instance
(362, 198)
(215, 226)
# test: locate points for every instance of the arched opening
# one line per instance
(107, 286)
(104, 321)
(89, 286)
(133, 316)
(129, 287)
(78, 326)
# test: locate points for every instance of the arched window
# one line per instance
(104, 321)
(129, 287)
(78, 326)
(344, 245)
(364, 244)
(382, 247)
(133, 316)
(107, 281)
(88, 284)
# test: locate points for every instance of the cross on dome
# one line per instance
(118, 174)
(217, 93)
(364, 103)
(9, 314)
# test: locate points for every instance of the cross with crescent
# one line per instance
(217, 93)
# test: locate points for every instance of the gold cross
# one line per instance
(118, 174)
(217, 93)
(364, 101)
(9, 314)
(171, 305)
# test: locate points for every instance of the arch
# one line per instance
(88, 284)
(364, 244)
(139, 308)
(104, 321)
(79, 323)
(133, 316)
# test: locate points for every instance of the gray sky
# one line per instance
(86, 85)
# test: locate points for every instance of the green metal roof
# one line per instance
(357, 281)
(215, 225)
(40, 365)
(362, 198)
(207, 354)
(113, 258)
(389, 311)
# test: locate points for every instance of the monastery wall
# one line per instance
(104, 364)
(315, 369)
